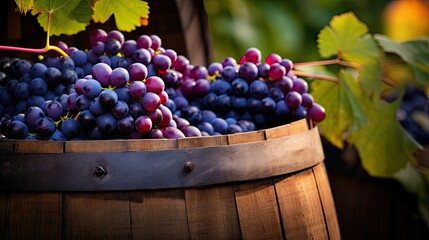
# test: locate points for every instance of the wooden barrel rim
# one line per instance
(159, 169)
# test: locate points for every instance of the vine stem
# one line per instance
(45, 49)
(328, 62)
(317, 76)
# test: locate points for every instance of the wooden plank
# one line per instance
(3, 214)
(103, 215)
(327, 201)
(151, 144)
(212, 213)
(247, 137)
(159, 215)
(35, 216)
(38, 146)
(7, 145)
(96, 146)
(300, 207)
(194, 142)
(286, 130)
(258, 211)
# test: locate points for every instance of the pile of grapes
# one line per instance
(129, 89)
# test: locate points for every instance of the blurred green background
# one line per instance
(290, 27)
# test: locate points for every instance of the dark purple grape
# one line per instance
(316, 112)
(98, 48)
(112, 47)
(79, 57)
(136, 109)
(101, 72)
(35, 100)
(120, 110)
(142, 55)
(171, 54)
(215, 69)
(137, 89)
(181, 122)
(37, 70)
(229, 61)
(285, 84)
(161, 62)
(219, 125)
(96, 108)
(16, 130)
(307, 100)
(248, 71)
(220, 87)
(154, 84)
(155, 133)
(143, 124)
(258, 89)
(293, 99)
(156, 42)
(97, 35)
(180, 63)
(107, 123)
(57, 136)
(282, 110)
(53, 76)
(263, 70)
(229, 73)
(299, 113)
(150, 101)
(300, 85)
(91, 88)
(32, 115)
(70, 128)
(82, 102)
(202, 87)
(137, 71)
(123, 94)
(115, 34)
(172, 133)
(38, 86)
(288, 64)
(129, 47)
(277, 71)
(268, 105)
(273, 58)
(144, 41)
(206, 127)
(240, 87)
(119, 77)
(254, 105)
(155, 116)
(253, 55)
(198, 72)
(45, 127)
(69, 76)
(126, 124)
(108, 98)
(191, 131)
(234, 128)
(65, 63)
(54, 110)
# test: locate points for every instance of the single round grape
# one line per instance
(276, 94)
(35, 100)
(287, 63)
(199, 72)
(65, 63)
(53, 76)
(263, 70)
(38, 86)
(69, 76)
(273, 58)
(171, 54)
(180, 63)
(219, 125)
(161, 62)
(220, 87)
(112, 47)
(206, 127)
(167, 116)
(101, 72)
(268, 105)
(45, 127)
(144, 41)
(136, 109)
(32, 115)
(191, 131)
(137, 71)
(277, 71)
(137, 89)
(96, 108)
(54, 110)
(97, 35)
(215, 69)
(98, 48)
(115, 34)
(234, 128)
(172, 133)
(120, 109)
(150, 101)
(70, 128)
(240, 87)
(143, 124)
(16, 130)
(253, 55)
(307, 100)
(38, 70)
(155, 133)
(142, 55)
(155, 116)
(282, 110)
(156, 42)
(248, 71)
(254, 105)
(108, 98)
(181, 122)
(154, 84)
(285, 84)
(202, 87)
(91, 88)
(129, 47)
(293, 99)
(163, 96)
(229, 73)
(126, 124)
(57, 136)
(107, 123)
(229, 61)
(82, 102)
(79, 57)
(316, 112)
(119, 77)
(258, 89)
(123, 94)
(300, 85)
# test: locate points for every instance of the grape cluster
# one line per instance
(137, 89)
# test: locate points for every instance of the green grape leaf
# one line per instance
(82, 13)
(413, 52)
(342, 105)
(370, 79)
(347, 37)
(24, 5)
(63, 20)
(128, 14)
(383, 145)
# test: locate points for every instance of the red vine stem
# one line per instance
(328, 62)
(45, 49)
(317, 76)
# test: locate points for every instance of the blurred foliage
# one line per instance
(288, 28)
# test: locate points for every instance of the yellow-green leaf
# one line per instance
(342, 105)
(62, 20)
(128, 14)
(348, 37)
(24, 5)
(382, 144)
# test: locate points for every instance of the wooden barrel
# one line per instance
(267, 184)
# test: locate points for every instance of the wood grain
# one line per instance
(300, 207)
(104, 215)
(96, 146)
(4, 215)
(159, 214)
(35, 216)
(36, 146)
(258, 211)
(212, 213)
(327, 201)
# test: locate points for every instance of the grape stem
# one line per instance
(328, 62)
(45, 49)
(317, 76)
